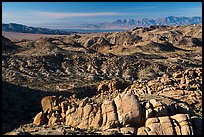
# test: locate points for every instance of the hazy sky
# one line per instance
(35, 13)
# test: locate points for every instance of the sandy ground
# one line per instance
(15, 36)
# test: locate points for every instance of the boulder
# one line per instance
(96, 117)
(85, 120)
(110, 118)
(39, 119)
(52, 121)
(182, 124)
(128, 130)
(155, 108)
(83, 102)
(143, 131)
(128, 109)
(116, 84)
(160, 125)
(75, 118)
(48, 103)
(179, 124)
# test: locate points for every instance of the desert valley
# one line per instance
(104, 83)
(102, 68)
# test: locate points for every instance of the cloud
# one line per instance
(142, 8)
(61, 15)
(37, 17)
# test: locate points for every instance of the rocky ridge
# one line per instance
(13, 27)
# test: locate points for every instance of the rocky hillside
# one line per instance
(157, 65)
(13, 27)
(8, 46)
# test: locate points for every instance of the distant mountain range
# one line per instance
(145, 22)
(130, 23)
(13, 27)
(125, 24)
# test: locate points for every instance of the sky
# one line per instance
(36, 13)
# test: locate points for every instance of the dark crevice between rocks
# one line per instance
(115, 108)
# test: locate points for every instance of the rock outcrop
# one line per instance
(179, 124)
(150, 116)
(128, 109)
(124, 110)
(155, 108)
(39, 119)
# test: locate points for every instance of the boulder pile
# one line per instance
(126, 113)
(178, 124)
(190, 79)
(87, 114)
